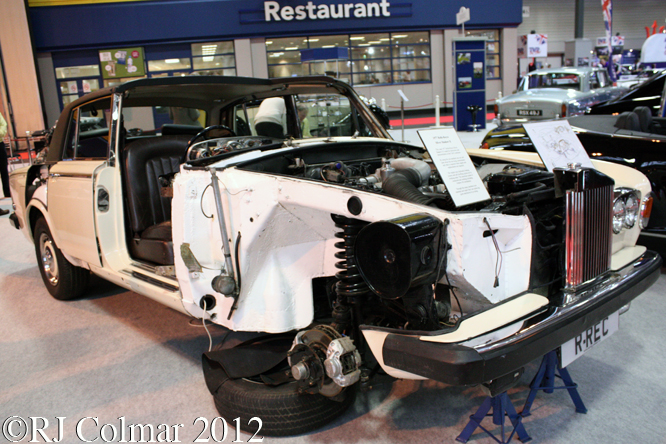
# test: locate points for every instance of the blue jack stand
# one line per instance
(545, 380)
(502, 406)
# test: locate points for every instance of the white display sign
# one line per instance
(537, 45)
(454, 165)
(654, 49)
(557, 144)
(462, 16)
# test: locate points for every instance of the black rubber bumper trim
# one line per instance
(460, 365)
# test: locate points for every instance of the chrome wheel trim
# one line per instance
(48, 259)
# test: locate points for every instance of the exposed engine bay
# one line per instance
(392, 274)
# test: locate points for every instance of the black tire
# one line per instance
(282, 410)
(62, 279)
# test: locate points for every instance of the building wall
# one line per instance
(20, 70)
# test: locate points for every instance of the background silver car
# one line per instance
(554, 93)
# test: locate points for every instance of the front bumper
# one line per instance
(458, 364)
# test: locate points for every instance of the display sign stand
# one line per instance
(545, 380)
(501, 406)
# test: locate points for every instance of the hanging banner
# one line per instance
(537, 45)
(522, 46)
(123, 62)
(607, 11)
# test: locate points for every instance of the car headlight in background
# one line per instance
(626, 209)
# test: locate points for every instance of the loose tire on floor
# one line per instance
(282, 410)
(62, 279)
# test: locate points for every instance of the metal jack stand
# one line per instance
(545, 380)
(502, 406)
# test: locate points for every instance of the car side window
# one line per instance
(594, 80)
(604, 80)
(88, 132)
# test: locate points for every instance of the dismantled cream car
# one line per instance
(335, 255)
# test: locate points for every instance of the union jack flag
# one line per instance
(607, 11)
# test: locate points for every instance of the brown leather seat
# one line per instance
(149, 213)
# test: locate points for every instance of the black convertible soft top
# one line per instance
(208, 93)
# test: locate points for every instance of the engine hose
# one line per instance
(403, 185)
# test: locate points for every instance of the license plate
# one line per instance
(529, 112)
(576, 347)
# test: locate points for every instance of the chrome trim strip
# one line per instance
(74, 175)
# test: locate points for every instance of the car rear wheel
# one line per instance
(62, 279)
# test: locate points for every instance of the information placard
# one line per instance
(557, 144)
(454, 166)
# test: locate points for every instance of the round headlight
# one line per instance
(631, 210)
(618, 215)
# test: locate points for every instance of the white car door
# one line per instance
(71, 184)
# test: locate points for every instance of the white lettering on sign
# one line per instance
(274, 12)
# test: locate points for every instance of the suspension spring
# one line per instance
(350, 283)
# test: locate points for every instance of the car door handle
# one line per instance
(102, 200)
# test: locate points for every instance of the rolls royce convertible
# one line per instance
(328, 258)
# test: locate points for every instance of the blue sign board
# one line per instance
(99, 25)
(469, 96)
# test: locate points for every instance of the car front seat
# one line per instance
(148, 211)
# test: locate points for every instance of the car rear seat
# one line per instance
(149, 213)
(628, 120)
(644, 118)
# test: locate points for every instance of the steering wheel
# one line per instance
(201, 135)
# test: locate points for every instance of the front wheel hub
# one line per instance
(48, 258)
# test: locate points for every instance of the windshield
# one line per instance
(562, 80)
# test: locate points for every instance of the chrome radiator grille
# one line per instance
(588, 230)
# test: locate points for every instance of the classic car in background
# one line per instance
(555, 92)
(649, 93)
(326, 258)
(633, 138)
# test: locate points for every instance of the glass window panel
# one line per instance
(491, 34)
(369, 39)
(328, 115)
(169, 64)
(116, 82)
(213, 62)
(77, 71)
(89, 85)
(328, 67)
(411, 63)
(212, 48)
(372, 65)
(216, 72)
(492, 47)
(287, 71)
(284, 57)
(411, 76)
(69, 99)
(329, 41)
(411, 51)
(410, 37)
(286, 44)
(93, 133)
(492, 59)
(371, 52)
(493, 72)
(69, 87)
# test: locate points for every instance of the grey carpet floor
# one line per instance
(116, 354)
